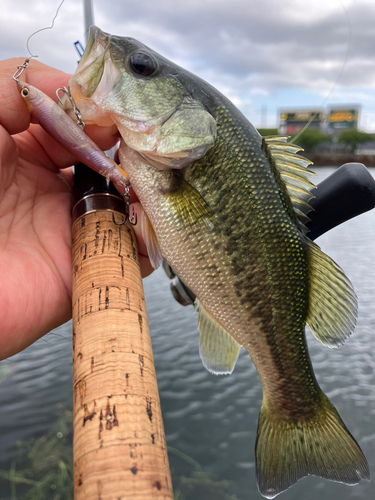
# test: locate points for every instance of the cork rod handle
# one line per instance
(119, 443)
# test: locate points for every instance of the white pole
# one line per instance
(89, 17)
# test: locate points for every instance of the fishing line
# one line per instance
(42, 29)
(350, 36)
(22, 67)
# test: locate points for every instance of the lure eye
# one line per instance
(25, 92)
(142, 64)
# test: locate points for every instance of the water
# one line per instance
(213, 419)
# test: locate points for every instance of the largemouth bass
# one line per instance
(225, 208)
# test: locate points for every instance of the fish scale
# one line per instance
(255, 188)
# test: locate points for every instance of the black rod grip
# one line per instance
(94, 192)
(348, 192)
(87, 181)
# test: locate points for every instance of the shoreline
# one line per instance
(334, 160)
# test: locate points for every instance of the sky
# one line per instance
(263, 55)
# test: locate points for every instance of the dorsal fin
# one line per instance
(294, 172)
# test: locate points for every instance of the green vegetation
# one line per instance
(267, 131)
(197, 484)
(45, 465)
(354, 137)
(311, 138)
(45, 470)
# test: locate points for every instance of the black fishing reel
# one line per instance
(348, 192)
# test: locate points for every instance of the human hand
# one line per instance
(35, 214)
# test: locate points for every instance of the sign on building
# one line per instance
(343, 118)
(292, 121)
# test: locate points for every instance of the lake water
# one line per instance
(214, 419)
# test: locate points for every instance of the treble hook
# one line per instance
(133, 219)
(76, 111)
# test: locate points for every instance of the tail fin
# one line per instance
(287, 450)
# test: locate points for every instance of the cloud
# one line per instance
(247, 48)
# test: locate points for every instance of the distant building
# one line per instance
(342, 118)
(293, 120)
(333, 120)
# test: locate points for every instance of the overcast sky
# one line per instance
(262, 54)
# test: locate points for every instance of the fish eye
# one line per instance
(24, 92)
(142, 64)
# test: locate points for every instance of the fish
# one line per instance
(226, 209)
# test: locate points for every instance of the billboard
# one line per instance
(292, 121)
(340, 118)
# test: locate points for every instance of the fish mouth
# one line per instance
(88, 87)
(91, 66)
(96, 45)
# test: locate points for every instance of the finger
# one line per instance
(68, 175)
(146, 267)
(15, 116)
(8, 159)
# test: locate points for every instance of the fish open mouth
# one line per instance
(91, 66)
(95, 47)
(93, 79)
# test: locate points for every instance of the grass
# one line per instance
(44, 467)
(44, 470)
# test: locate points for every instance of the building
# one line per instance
(341, 118)
(332, 121)
(293, 120)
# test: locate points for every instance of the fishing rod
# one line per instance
(119, 447)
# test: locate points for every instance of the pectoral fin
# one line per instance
(333, 302)
(187, 203)
(218, 350)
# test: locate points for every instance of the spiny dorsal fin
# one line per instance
(218, 350)
(333, 302)
(294, 172)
